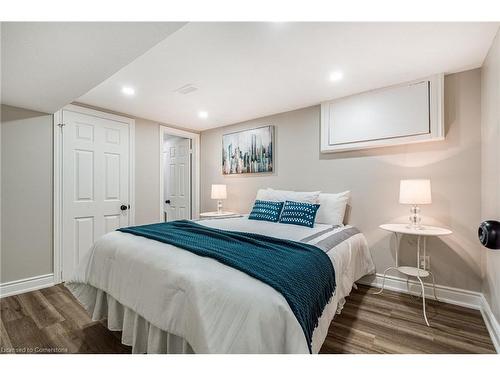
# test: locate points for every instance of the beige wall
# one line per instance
(26, 201)
(373, 177)
(147, 171)
(490, 202)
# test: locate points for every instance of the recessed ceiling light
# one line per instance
(202, 114)
(336, 76)
(128, 90)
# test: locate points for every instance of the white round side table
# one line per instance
(422, 233)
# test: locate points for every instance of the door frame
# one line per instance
(58, 175)
(195, 167)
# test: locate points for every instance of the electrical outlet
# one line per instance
(425, 262)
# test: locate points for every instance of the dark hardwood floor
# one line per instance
(393, 323)
(51, 321)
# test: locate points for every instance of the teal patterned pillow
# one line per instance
(266, 210)
(299, 213)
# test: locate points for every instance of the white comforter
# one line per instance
(214, 307)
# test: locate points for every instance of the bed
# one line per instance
(168, 300)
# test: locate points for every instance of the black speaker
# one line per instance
(489, 234)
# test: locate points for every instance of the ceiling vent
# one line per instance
(186, 89)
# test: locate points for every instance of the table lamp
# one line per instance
(415, 192)
(219, 192)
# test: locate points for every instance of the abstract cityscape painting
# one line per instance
(248, 151)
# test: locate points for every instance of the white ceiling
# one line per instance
(248, 70)
(241, 70)
(48, 65)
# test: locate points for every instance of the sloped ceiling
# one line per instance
(48, 65)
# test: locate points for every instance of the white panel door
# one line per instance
(177, 178)
(95, 183)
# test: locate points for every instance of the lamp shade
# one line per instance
(415, 192)
(219, 192)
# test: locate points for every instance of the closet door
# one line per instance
(95, 183)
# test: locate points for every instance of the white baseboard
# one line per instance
(26, 285)
(491, 323)
(455, 296)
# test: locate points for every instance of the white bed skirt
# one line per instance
(137, 332)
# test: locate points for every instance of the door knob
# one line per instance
(167, 201)
(123, 207)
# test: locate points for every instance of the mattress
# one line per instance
(166, 299)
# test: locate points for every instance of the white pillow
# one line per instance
(261, 195)
(332, 208)
(287, 195)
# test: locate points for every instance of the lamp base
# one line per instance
(415, 218)
(219, 207)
